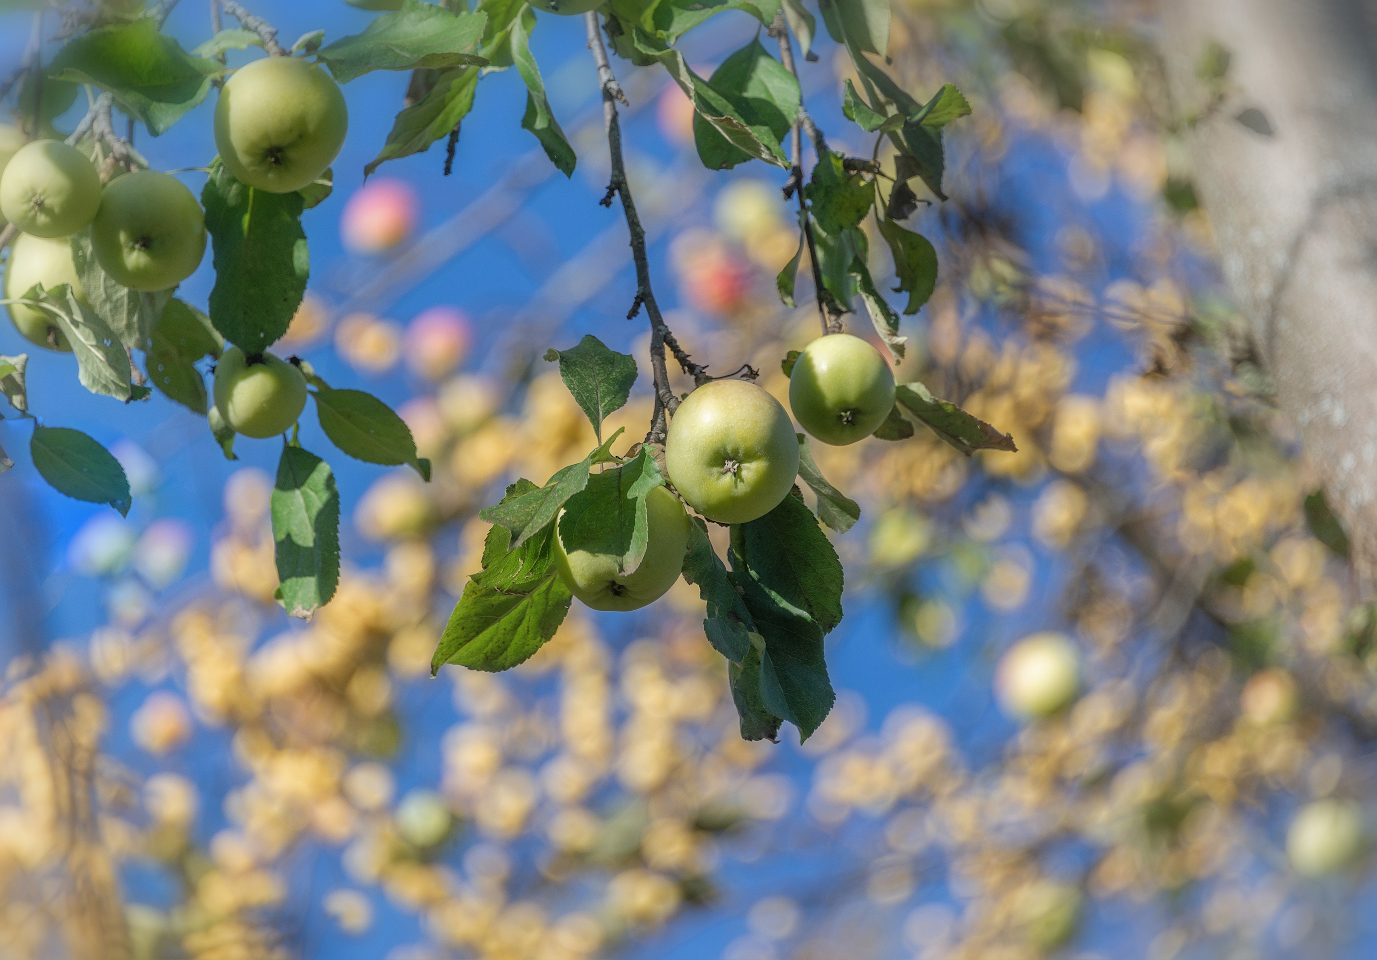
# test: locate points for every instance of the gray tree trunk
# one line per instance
(1295, 213)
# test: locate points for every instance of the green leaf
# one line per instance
(533, 510)
(836, 253)
(954, 425)
(757, 722)
(58, 97)
(840, 199)
(732, 117)
(512, 607)
(78, 466)
(182, 336)
(309, 42)
(599, 378)
(915, 263)
(367, 429)
(856, 109)
(189, 331)
(671, 19)
(1323, 524)
(882, 315)
(793, 670)
(728, 624)
(102, 363)
(784, 283)
(129, 313)
(609, 516)
(750, 76)
(226, 40)
(305, 513)
(787, 364)
(539, 119)
(865, 23)
(439, 112)
(419, 35)
(792, 559)
(801, 22)
(834, 508)
(920, 138)
(895, 427)
(12, 386)
(222, 432)
(318, 191)
(261, 261)
(149, 73)
(947, 105)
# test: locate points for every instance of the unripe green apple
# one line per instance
(731, 451)
(11, 139)
(49, 189)
(423, 818)
(595, 579)
(1038, 676)
(841, 389)
(150, 233)
(567, 8)
(1326, 836)
(49, 262)
(279, 124)
(261, 398)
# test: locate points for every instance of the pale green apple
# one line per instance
(841, 389)
(595, 579)
(1326, 836)
(47, 262)
(258, 398)
(731, 451)
(49, 189)
(1039, 676)
(423, 818)
(11, 139)
(150, 233)
(279, 124)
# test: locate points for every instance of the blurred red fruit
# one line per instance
(437, 341)
(713, 276)
(379, 216)
(674, 115)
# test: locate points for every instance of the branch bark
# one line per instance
(1294, 209)
(266, 31)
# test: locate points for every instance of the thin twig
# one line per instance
(266, 31)
(660, 336)
(216, 25)
(829, 313)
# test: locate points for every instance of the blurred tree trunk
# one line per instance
(1285, 159)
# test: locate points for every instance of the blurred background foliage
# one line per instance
(200, 778)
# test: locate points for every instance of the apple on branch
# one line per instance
(49, 189)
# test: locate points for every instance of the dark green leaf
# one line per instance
(148, 72)
(787, 364)
(305, 513)
(784, 283)
(102, 363)
(915, 263)
(12, 386)
(512, 607)
(79, 467)
(834, 508)
(920, 138)
(419, 35)
(840, 199)
(366, 428)
(439, 112)
(954, 425)
(895, 427)
(539, 119)
(882, 315)
(174, 375)
(728, 624)
(314, 194)
(801, 22)
(856, 109)
(532, 511)
(766, 87)
(864, 23)
(757, 722)
(129, 313)
(791, 558)
(599, 378)
(261, 261)
(836, 253)
(671, 19)
(58, 97)
(609, 516)
(1323, 524)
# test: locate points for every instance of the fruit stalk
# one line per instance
(258, 25)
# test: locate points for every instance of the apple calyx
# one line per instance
(732, 467)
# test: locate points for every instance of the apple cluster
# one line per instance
(279, 124)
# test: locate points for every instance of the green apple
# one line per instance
(1039, 676)
(279, 124)
(731, 451)
(423, 818)
(1325, 837)
(841, 389)
(150, 233)
(11, 139)
(595, 579)
(258, 396)
(49, 189)
(567, 8)
(49, 262)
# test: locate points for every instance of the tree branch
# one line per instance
(266, 31)
(660, 336)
